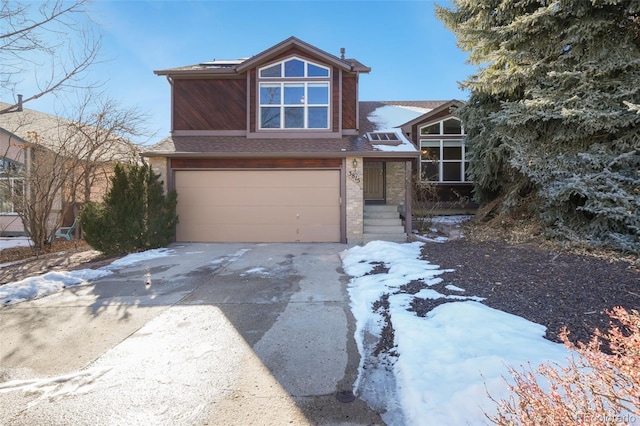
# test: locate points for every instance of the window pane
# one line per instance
(294, 94)
(318, 117)
(269, 94)
(294, 68)
(318, 93)
(274, 71)
(451, 127)
(434, 129)
(270, 118)
(294, 118)
(6, 206)
(316, 71)
(452, 152)
(430, 153)
(451, 172)
(430, 171)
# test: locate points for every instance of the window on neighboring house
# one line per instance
(11, 186)
(299, 100)
(11, 193)
(444, 161)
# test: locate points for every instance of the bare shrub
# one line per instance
(600, 385)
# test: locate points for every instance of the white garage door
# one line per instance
(258, 206)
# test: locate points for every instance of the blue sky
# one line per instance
(412, 55)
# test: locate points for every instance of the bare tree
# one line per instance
(54, 39)
(66, 161)
(102, 129)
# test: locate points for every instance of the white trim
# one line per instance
(440, 144)
(441, 125)
(304, 105)
(305, 72)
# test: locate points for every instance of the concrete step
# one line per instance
(380, 208)
(384, 229)
(382, 222)
(381, 214)
(394, 238)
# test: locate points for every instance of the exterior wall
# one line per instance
(349, 98)
(159, 166)
(349, 102)
(354, 200)
(10, 223)
(209, 104)
(395, 183)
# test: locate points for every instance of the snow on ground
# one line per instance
(445, 362)
(442, 365)
(53, 282)
(8, 242)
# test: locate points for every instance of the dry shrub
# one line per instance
(594, 388)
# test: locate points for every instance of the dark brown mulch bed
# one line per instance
(546, 285)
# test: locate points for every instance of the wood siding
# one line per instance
(253, 101)
(349, 102)
(255, 163)
(335, 99)
(209, 104)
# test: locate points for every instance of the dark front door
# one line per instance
(373, 181)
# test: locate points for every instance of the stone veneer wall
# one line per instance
(159, 166)
(354, 201)
(395, 183)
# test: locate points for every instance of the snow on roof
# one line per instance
(402, 144)
(389, 116)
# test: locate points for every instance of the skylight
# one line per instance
(383, 136)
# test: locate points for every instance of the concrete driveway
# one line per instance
(232, 334)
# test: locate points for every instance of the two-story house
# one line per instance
(270, 149)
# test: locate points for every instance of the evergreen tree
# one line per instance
(135, 215)
(551, 110)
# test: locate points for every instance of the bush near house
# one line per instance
(135, 214)
(596, 387)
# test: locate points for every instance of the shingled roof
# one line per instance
(58, 134)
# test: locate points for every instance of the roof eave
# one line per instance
(196, 72)
(287, 44)
(319, 154)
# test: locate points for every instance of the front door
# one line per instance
(373, 181)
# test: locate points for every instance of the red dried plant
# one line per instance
(593, 388)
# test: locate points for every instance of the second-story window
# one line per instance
(294, 94)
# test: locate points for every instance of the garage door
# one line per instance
(258, 206)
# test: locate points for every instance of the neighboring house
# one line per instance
(34, 144)
(272, 149)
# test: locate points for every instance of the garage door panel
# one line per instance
(258, 179)
(259, 206)
(252, 197)
(277, 215)
(258, 233)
